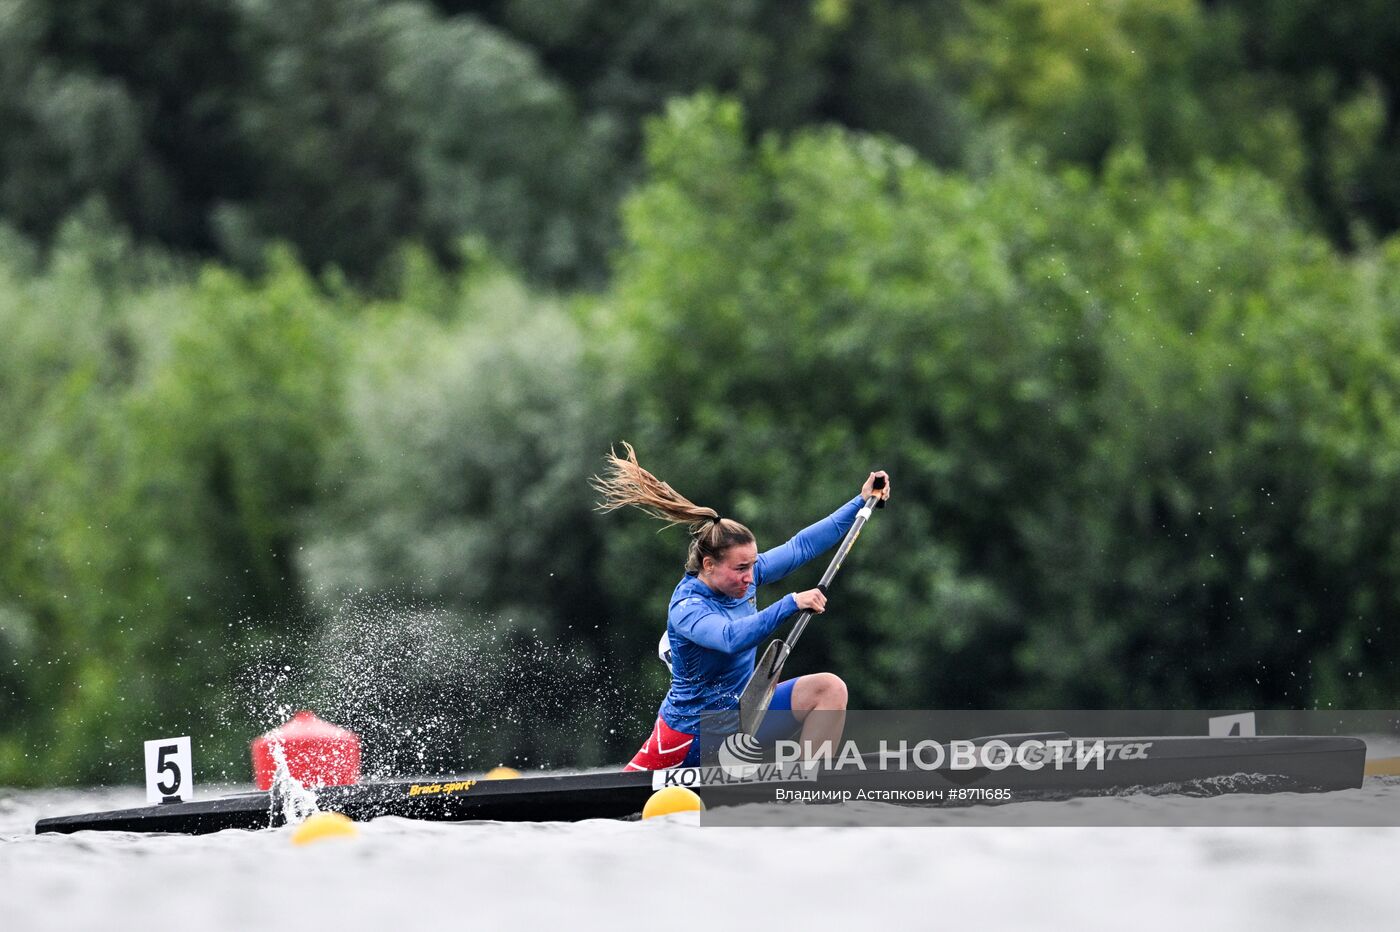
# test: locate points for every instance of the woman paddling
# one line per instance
(713, 624)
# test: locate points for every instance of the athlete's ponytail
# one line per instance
(625, 482)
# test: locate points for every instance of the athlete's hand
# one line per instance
(812, 600)
(869, 489)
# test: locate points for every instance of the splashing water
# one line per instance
(296, 802)
(431, 691)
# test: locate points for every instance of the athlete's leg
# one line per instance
(824, 694)
(779, 724)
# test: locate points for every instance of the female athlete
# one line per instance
(713, 625)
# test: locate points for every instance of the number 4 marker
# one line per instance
(169, 773)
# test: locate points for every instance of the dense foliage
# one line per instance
(317, 306)
(347, 126)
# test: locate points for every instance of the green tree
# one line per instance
(162, 436)
(1335, 70)
(474, 417)
(1110, 408)
(66, 135)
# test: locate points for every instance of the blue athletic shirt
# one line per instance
(714, 638)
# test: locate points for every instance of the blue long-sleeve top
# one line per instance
(714, 638)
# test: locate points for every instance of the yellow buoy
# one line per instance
(502, 773)
(1383, 767)
(322, 825)
(672, 799)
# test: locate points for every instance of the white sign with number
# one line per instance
(169, 772)
(1228, 726)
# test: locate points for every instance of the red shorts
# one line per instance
(665, 748)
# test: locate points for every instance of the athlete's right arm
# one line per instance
(700, 623)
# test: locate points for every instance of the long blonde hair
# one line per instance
(625, 482)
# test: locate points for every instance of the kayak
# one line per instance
(1001, 768)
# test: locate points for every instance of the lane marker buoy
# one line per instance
(1383, 767)
(502, 773)
(672, 799)
(322, 825)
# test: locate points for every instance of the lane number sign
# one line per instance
(169, 773)
(1228, 726)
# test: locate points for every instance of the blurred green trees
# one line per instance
(1121, 413)
(163, 435)
(346, 126)
(322, 302)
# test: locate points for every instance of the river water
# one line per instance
(672, 873)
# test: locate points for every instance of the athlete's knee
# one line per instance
(836, 688)
(827, 690)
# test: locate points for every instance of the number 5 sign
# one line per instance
(169, 774)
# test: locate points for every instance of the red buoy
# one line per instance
(318, 753)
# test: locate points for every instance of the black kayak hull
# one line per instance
(1275, 764)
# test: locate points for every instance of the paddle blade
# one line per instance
(758, 692)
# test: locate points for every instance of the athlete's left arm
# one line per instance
(697, 620)
(774, 564)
